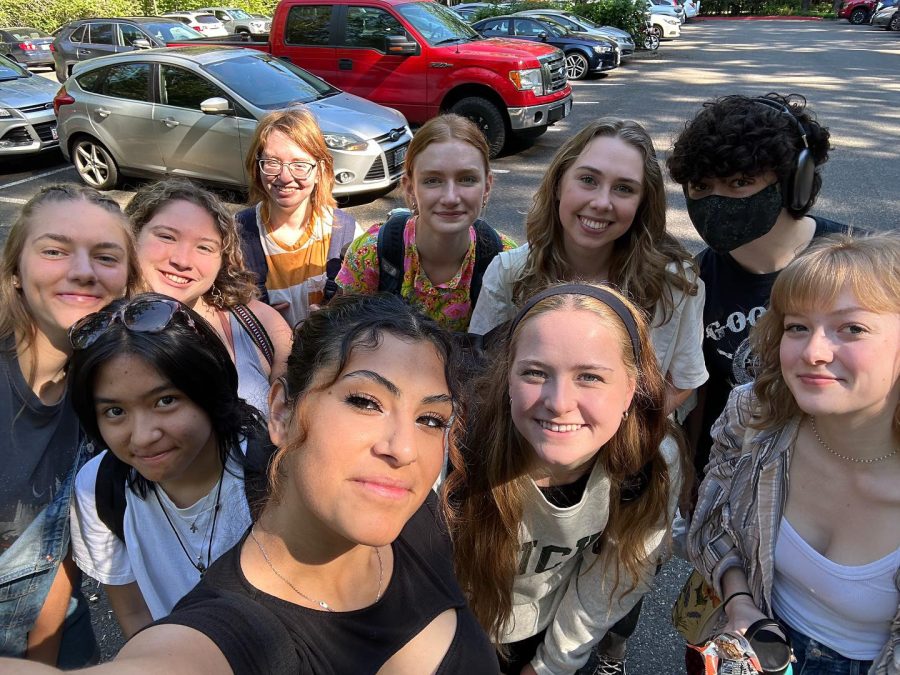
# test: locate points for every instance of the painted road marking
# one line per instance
(40, 175)
(13, 200)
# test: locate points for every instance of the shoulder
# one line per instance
(246, 219)
(824, 227)
(513, 260)
(342, 218)
(269, 317)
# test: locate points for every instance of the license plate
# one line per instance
(45, 47)
(54, 133)
(400, 155)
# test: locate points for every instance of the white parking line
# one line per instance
(499, 170)
(13, 200)
(40, 175)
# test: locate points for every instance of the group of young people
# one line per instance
(287, 444)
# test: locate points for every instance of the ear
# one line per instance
(488, 184)
(279, 412)
(408, 191)
(629, 396)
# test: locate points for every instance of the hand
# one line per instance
(742, 613)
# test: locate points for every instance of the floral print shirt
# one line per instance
(449, 304)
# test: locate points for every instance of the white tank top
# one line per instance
(846, 608)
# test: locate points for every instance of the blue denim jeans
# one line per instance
(814, 658)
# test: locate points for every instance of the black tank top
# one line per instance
(259, 633)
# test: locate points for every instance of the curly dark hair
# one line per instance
(734, 135)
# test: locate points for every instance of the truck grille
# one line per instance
(553, 69)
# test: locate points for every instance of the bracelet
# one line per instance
(733, 596)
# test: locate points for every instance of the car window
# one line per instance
(221, 16)
(308, 25)
(10, 70)
(92, 80)
(368, 27)
(240, 14)
(563, 21)
(170, 31)
(127, 80)
(128, 34)
(185, 89)
(436, 23)
(498, 26)
(26, 34)
(267, 82)
(528, 28)
(206, 18)
(78, 34)
(102, 34)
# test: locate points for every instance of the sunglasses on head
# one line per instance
(139, 316)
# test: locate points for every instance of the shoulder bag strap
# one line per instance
(257, 332)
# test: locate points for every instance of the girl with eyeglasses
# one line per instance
(68, 254)
(348, 568)
(293, 228)
(569, 479)
(155, 386)
(190, 250)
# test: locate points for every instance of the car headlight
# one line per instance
(4, 113)
(603, 49)
(671, 20)
(528, 80)
(347, 142)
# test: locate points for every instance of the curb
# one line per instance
(758, 18)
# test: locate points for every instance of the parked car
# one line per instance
(421, 59)
(856, 11)
(204, 23)
(673, 5)
(580, 24)
(27, 122)
(887, 15)
(585, 54)
(191, 112)
(691, 8)
(663, 21)
(239, 22)
(25, 45)
(88, 38)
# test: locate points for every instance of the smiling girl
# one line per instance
(599, 215)
(570, 480)
(446, 247)
(69, 253)
(156, 387)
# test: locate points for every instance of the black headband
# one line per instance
(598, 293)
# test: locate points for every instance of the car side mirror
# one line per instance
(542, 35)
(141, 43)
(216, 106)
(400, 45)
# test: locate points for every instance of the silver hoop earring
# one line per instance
(625, 415)
(217, 298)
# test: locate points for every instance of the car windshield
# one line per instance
(437, 24)
(269, 83)
(27, 33)
(239, 14)
(10, 70)
(170, 32)
(586, 22)
(206, 18)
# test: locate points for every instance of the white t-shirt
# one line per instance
(151, 553)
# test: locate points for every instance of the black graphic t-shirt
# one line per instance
(735, 299)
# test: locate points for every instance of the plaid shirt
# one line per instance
(741, 504)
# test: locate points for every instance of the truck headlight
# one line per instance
(347, 142)
(528, 80)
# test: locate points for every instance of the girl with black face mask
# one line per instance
(750, 170)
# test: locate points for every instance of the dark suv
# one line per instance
(86, 38)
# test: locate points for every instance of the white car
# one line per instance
(663, 22)
(205, 24)
(691, 8)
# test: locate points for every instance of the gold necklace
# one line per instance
(321, 603)
(855, 460)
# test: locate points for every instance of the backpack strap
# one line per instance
(256, 331)
(342, 230)
(487, 245)
(109, 493)
(390, 253)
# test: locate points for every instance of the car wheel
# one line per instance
(94, 164)
(657, 31)
(858, 16)
(895, 22)
(651, 41)
(576, 66)
(487, 117)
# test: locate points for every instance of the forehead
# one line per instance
(569, 337)
(280, 146)
(188, 218)
(78, 220)
(127, 375)
(449, 157)
(611, 155)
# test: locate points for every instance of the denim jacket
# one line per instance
(740, 506)
(28, 567)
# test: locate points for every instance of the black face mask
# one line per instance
(727, 223)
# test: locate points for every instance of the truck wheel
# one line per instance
(576, 66)
(859, 16)
(487, 117)
(94, 164)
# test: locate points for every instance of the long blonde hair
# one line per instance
(299, 125)
(869, 266)
(485, 497)
(640, 256)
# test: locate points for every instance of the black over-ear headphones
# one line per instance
(797, 186)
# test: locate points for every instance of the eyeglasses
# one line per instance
(140, 316)
(273, 167)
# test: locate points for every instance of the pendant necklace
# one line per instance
(200, 566)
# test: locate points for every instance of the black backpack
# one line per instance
(390, 254)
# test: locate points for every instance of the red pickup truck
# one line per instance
(420, 58)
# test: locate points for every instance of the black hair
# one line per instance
(194, 360)
(734, 135)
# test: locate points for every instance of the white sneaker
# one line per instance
(609, 666)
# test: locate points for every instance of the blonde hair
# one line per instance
(869, 266)
(234, 284)
(640, 256)
(299, 125)
(486, 495)
(15, 319)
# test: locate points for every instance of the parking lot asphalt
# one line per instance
(849, 75)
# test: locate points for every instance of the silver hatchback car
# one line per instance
(27, 122)
(192, 111)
